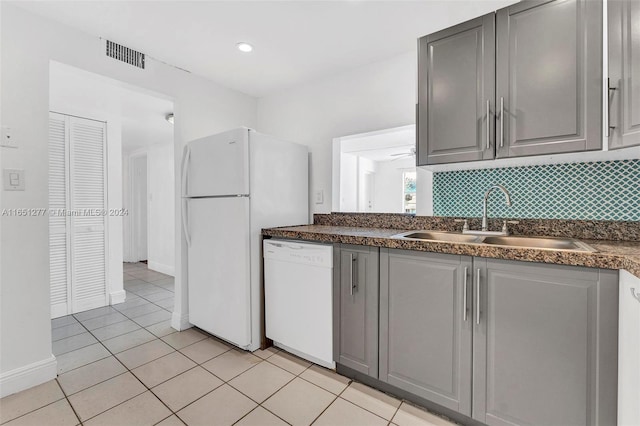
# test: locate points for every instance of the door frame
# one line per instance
(134, 249)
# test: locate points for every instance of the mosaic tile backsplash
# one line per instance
(607, 190)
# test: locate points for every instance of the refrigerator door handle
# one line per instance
(185, 162)
(185, 221)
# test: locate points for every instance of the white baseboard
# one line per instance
(159, 267)
(116, 297)
(180, 322)
(28, 376)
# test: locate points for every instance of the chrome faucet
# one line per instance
(485, 227)
(486, 197)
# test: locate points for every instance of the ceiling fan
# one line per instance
(410, 153)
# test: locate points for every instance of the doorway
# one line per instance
(368, 171)
(367, 192)
(138, 195)
(139, 218)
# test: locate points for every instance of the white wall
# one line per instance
(365, 166)
(161, 214)
(348, 183)
(29, 43)
(377, 96)
(389, 184)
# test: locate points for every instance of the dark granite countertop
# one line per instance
(608, 255)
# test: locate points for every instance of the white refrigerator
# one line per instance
(233, 185)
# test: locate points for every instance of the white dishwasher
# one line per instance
(299, 298)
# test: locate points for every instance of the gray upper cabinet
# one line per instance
(545, 348)
(526, 80)
(624, 73)
(357, 288)
(425, 332)
(456, 90)
(549, 77)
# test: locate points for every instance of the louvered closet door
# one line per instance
(87, 201)
(58, 224)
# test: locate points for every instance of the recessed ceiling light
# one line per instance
(244, 47)
(169, 118)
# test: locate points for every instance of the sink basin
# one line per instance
(539, 242)
(508, 241)
(451, 237)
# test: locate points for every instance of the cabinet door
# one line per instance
(425, 332)
(624, 73)
(357, 345)
(545, 351)
(456, 91)
(549, 77)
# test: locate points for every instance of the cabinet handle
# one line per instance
(464, 295)
(353, 284)
(478, 296)
(501, 121)
(635, 296)
(608, 125)
(488, 126)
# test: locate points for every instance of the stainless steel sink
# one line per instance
(507, 241)
(451, 237)
(539, 242)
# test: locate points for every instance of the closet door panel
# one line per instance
(59, 277)
(88, 222)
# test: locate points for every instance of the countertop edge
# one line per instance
(379, 237)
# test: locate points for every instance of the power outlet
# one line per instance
(319, 196)
(8, 138)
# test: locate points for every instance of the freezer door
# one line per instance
(217, 165)
(219, 274)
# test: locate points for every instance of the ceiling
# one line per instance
(77, 92)
(391, 144)
(295, 41)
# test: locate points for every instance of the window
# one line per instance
(409, 192)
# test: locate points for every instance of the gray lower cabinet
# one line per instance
(544, 344)
(356, 308)
(624, 73)
(425, 331)
(504, 342)
(456, 91)
(548, 77)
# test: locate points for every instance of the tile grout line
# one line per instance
(64, 396)
(98, 341)
(264, 408)
(330, 404)
(130, 372)
(197, 364)
(68, 402)
(226, 382)
(282, 387)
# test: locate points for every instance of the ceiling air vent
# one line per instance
(125, 54)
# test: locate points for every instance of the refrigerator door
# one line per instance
(219, 273)
(217, 165)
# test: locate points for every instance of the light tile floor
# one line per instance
(125, 365)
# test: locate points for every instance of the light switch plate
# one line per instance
(13, 179)
(319, 196)
(8, 138)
